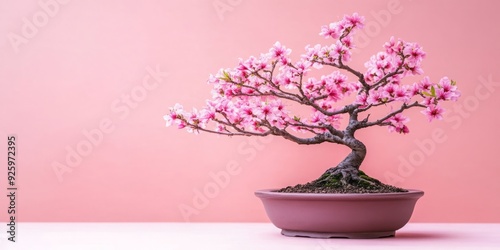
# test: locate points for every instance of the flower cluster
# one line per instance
(340, 51)
(254, 98)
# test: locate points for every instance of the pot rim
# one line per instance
(269, 194)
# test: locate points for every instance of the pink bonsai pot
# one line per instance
(339, 215)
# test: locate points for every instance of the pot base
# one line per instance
(357, 216)
(320, 235)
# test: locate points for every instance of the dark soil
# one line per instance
(341, 189)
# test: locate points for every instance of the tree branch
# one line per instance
(245, 133)
(337, 133)
(319, 138)
(381, 121)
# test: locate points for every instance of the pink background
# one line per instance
(84, 66)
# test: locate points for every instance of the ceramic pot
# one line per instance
(339, 215)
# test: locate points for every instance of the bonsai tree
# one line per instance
(256, 98)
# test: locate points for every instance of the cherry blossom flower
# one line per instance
(397, 124)
(376, 97)
(442, 95)
(401, 93)
(362, 99)
(393, 46)
(330, 31)
(355, 20)
(414, 90)
(433, 112)
(425, 83)
(449, 88)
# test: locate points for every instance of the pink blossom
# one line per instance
(264, 112)
(332, 30)
(287, 80)
(398, 124)
(414, 52)
(376, 97)
(395, 79)
(248, 111)
(318, 119)
(312, 53)
(334, 94)
(445, 84)
(433, 112)
(178, 108)
(414, 89)
(380, 61)
(449, 89)
(442, 95)
(392, 46)
(355, 20)
(309, 85)
(207, 115)
(413, 69)
(425, 83)
(194, 117)
(401, 93)
(399, 119)
(340, 49)
(176, 113)
(403, 129)
(348, 42)
(170, 118)
(325, 105)
(180, 124)
(278, 51)
(220, 128)
(372, 75)
(302, 67)
(455, 95)
(427, 101)
(284, 60)
(389, 90)
(362, 99)
(328, 53)
(236, 118)
(271, 111)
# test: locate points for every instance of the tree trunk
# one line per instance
(355, 158)
(347, 171)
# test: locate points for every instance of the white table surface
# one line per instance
(255, 236)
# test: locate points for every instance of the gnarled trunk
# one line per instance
(356, 157)
(347, 171)
(346, 176)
